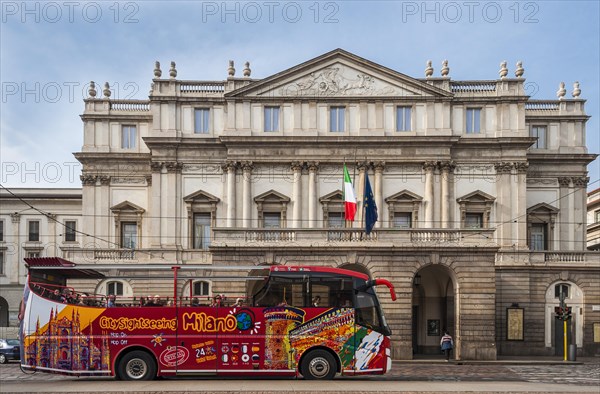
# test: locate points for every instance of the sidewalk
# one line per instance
(502, 360)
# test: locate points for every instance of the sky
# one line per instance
(50, 50)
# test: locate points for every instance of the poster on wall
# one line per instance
(514, 326)
(433, 327)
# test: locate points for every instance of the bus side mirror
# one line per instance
(385, 282)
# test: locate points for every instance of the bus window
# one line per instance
(367, 313)
(281, 291)
(334, 292)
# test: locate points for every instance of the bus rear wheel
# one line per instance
(318, 364)
(137, 365)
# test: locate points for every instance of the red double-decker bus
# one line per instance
(310, 321)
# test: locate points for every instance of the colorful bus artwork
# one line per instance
(313, 322)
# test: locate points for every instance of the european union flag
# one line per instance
(370, 206)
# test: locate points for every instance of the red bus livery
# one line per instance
(309, 321)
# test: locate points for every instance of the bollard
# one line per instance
(572, 352)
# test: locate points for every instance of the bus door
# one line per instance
(197, 339)
(238, 339)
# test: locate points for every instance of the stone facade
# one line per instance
(593, 220)
(480, 192)
(31, 232)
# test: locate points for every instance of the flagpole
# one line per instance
(354, 177)
(362, 214)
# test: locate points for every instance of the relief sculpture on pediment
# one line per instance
(333, 81)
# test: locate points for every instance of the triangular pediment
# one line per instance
(127, 206)
(334, 196)
(201, 196)
(338, 74)
(404, 196)
(476, 197)
(542, 207)
(271, 196)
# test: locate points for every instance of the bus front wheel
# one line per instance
(137, 365)
(318, 364)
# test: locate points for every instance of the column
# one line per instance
(296, 168)
(503, 206)
(379, 167)
(313, 167)
(173, 205)
(580, 197)
(103, 209)
(88, 204)
(154, 182)
(519, 189)
(429, 168)
(230, 168)
(163, 204)
(54, 237)
(447, 199)
(16, 270)
(563, 213)
(247, 167)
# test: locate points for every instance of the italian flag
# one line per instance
(349, 198)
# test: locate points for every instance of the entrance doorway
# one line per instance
(3, 312)
(433, 309)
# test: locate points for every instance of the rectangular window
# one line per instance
(34, 230)
(337, 119)
(201, 230)
(402, 220)
(129, 137)
(473, 220)
(272, 219)
(335, 220)
(201, 120)
(33, 254)
(129, 235)
(403, 118)
(1, 262)
(538, 236)
(561, 288)
(596, 217)
(539, 132)
(473, 120)
(70, 228)
(1, 230)
(271, 118)
(201, 288)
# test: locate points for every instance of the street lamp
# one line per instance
(417, 280)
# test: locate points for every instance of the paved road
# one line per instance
(404, 377)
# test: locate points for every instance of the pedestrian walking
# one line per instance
(447, 344)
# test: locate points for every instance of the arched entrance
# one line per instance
(3, 312)
(554, 328)
(433, 309)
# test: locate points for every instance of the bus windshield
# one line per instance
(141, 322)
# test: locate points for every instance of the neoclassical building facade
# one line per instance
(480, 191)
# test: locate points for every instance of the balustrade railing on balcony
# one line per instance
(129, 105)
(270, 235)
(350, 235)
(542, 105)
(202, 87)
(436, 236)
(395, 237)
(473, 86)
(565, 256)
